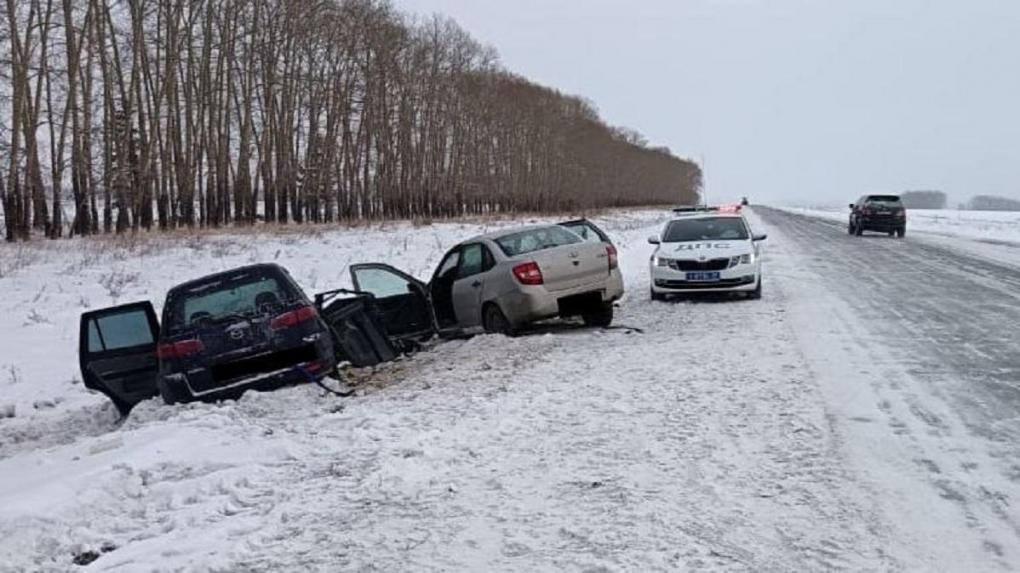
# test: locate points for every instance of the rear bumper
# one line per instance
(530, 304)
(882, 224)
(217, 382)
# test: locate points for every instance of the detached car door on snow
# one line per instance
(402, 300)
(117, 353)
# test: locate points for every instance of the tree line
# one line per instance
(137, 114)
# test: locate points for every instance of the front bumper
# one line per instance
(742, 278)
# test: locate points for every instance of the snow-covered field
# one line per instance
(712, 435)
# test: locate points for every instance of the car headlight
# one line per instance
(660, 261)
(741, 260)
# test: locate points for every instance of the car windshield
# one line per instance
(536, 240)
(706, 229)
(246, 294)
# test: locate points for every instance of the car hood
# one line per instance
(707, 249)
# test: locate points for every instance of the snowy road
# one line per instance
(863, 415)
(929, 334)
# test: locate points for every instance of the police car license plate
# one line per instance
(702, 277)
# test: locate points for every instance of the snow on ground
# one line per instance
(708, 435)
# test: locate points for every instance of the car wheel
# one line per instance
(495, 321)
(756, 293)
(657, 296)
(892, 233)
(850, 229)
(601, 318)
(901, 232)
(858, 230)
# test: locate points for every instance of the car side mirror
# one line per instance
(851, 205)
(759, 238)
(653, 240)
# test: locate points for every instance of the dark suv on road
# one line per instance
(248, 328)
(881, 213)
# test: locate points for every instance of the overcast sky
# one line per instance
(797, 101)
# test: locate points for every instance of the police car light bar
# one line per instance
(695, 209)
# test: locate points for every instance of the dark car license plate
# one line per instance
(702, 277)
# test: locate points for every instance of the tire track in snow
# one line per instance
(933, 334)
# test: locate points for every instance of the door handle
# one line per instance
(476, 284)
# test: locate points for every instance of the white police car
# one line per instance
(704, 250)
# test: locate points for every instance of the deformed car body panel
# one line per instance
(247, 328)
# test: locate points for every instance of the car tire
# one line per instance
(892, 233)
(495, 322)
(756, 293)
(850, 229)
(657, 296)
(901, 232)
(601, 318)
(858, 230)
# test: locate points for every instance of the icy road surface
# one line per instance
(863, 415)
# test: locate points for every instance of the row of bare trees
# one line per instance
(128, 114)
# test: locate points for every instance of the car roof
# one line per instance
(504, 232)
(261, 267)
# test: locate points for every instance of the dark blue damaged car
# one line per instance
(220, 335)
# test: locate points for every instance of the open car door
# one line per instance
(402, 300)
(117, 353)
(587, 231)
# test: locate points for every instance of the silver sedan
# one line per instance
(501, 282)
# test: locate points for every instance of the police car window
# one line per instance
(706, 229)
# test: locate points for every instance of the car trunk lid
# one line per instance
(572, 266)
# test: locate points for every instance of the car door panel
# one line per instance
(117, 353)
(401, 299)
(467, 288)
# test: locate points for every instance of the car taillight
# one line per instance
(901, 213)
(181, 349)
(528, 273)
(293, 318)
(613, 259)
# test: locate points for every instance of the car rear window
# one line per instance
(884, 200)
(585, 231)
(536, 240)
(246, 294)
(706, 229)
